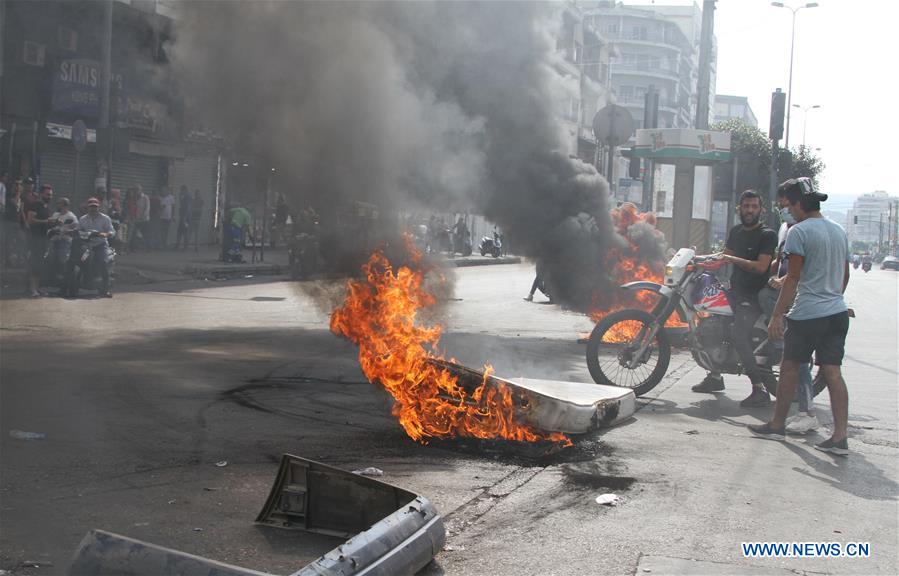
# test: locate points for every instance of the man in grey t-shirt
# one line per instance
(817, 275)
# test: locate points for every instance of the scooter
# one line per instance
(84, 269)
(492, 246)
(57, 255)
(866, 265)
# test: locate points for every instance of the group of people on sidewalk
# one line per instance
(147, 219)
(38, 218)
(136, 222)
(796, 277)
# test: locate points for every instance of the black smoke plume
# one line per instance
(411, 106)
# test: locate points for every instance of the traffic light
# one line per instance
(633, 168)
(778, 106)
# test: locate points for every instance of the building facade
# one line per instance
(52, 81)
(584, 63)
(728, 107)
(873, 219)
(658, 47)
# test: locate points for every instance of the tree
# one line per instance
(804, 162)
(750, 152)
(751, 149)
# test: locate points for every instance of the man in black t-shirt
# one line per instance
(750, 248)
(37, 218)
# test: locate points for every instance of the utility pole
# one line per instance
(705, 65)
(105, 129)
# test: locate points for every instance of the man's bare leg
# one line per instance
(839, 400)
(786, 390)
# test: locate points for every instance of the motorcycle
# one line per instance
(84, 271)
(866, 265)
(492, 246)
(302, 253)
(631, 348)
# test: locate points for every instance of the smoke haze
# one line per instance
(414, 106)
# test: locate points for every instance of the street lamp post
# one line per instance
(792, 44)
(805, 110)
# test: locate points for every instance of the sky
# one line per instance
(844, 62)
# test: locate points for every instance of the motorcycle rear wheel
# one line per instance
(608, 352)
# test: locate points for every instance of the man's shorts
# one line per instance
(826, 337)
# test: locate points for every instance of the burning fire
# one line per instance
(379, 316)
(628, 265)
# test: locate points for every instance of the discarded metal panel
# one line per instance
(396, 531)
(104, 553)
(553, 405)
(391, 530)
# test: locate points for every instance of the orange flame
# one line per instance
(627, 265)
(379, 316)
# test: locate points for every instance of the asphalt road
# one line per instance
(141, 396)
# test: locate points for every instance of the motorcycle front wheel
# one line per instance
(613, 344)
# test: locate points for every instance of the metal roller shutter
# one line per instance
(198, 172)
(58, 169)
(133, 169)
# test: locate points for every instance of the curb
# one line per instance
(463, 263)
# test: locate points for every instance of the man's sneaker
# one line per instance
(758, 399)
(766, 431)
(528, 298)
(710, 383)
(840, 448)
(802, 423)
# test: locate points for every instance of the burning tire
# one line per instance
(613, 344)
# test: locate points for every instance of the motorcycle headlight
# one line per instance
(669, 270)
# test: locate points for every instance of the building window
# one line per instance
(626, 93)
(639, 33)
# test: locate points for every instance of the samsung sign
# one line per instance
(76, 87)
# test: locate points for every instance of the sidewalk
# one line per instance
(170, 265)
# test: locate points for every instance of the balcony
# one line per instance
(645, 70)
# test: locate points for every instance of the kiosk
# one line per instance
(681, 180)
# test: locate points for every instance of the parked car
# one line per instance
(890, 263)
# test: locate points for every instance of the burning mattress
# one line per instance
(554, 405)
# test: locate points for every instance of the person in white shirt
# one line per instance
(167, 203)
(65, 219)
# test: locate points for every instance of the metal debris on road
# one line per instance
(22, 435)
(370, 471)
(198, 529)
(221, 463)
(692, 432)
(608, 499)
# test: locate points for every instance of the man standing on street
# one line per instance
(142, 220)
(750, 248)
(818, 320)
(183, 232)
(166, 213)
(37, 218)
(196, 215)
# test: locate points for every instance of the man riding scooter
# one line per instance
(100, 228)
